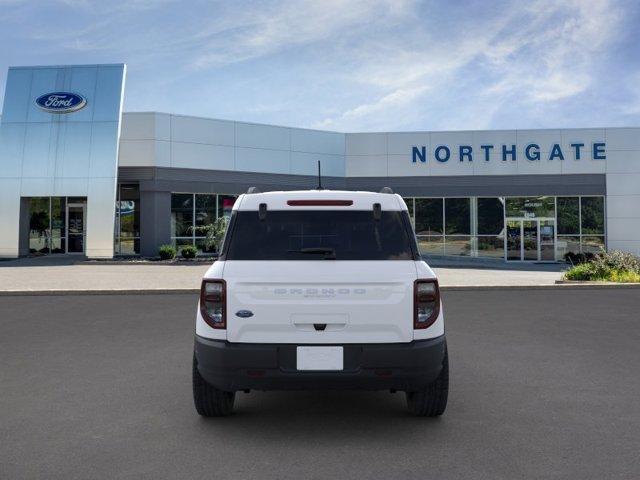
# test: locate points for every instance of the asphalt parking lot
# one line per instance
(544, 384)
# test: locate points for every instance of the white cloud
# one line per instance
(246, 34)
(354, 64)
(542, 53)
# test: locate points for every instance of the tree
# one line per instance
(214, 233)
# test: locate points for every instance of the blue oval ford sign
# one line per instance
(61, 102)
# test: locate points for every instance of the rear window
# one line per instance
(319, 235)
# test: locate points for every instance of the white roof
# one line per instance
(360, 200)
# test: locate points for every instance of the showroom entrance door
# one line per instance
(76, 221)
(530, 240)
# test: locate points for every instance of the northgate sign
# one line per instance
(577, 151)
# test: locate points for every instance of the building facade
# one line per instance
(80, 176)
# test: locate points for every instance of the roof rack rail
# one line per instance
(386, 190)
(253, 190)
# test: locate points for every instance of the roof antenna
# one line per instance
(319, 177)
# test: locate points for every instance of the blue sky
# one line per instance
(351, 65)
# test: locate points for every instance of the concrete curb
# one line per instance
(140, 291)
(194, 291)
(601, 284)
(551, 286)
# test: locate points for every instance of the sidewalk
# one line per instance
(46, 274)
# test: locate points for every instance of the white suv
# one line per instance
(320, 289)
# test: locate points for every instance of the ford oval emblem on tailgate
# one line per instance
(244, 313)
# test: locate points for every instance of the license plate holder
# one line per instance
(327, 358)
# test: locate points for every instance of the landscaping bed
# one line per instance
(614, 267)
(204, 259)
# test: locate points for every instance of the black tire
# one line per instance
(209, 401)
(432, 401)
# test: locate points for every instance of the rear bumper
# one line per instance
(250, 366)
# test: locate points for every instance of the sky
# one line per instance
(351, 65)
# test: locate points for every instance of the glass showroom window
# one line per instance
(581, 225)
(530, 207)
(127, 231)
(205, 214)
(48, 224)
(592, 224)
(409, 202)
(490, 227)
(568, 240)
(225, 205)
(192, 210)
(429, 225)
(457, 220)
(39, 225)
(442, 225)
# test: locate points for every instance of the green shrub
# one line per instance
(166, 252)
(612, 266)
(622, 276)
(582, 271)
(188, 251)
(577, 258)
(616, 260)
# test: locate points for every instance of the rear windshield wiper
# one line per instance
(329, 253)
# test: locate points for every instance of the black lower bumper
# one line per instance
(249, 366)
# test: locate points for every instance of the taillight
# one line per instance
(426, 303)
(213, 299)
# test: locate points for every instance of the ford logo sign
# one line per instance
(61, 102)
(244, 313)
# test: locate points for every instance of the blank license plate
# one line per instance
(320, 358)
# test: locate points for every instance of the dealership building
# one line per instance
(79, 176)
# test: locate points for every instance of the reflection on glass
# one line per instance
(592, 215)
(58, 245)
(127, 228)
(202, 247)
(205, 209)
(567, 244)
(128, 246)
(592, 244)
(514, 237)
(181, 214)
(75, 230)
(491, 246)
(530, 207)
(50, 225)
(568, 216)
(129, 211)
(409, 202)
(490, 216)
(181, 242)
(458, 245)
(58, 216)
(225, 205)
(457, 215)
(530, 240)
(39, 225)
(431, 245)
(547, 240)
(428, 212)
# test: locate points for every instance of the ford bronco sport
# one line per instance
(320, 289)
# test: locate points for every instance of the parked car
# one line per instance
(320, 289)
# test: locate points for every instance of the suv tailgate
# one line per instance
(320, 302)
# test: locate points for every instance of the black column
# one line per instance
(23, 236)
(155, 220)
